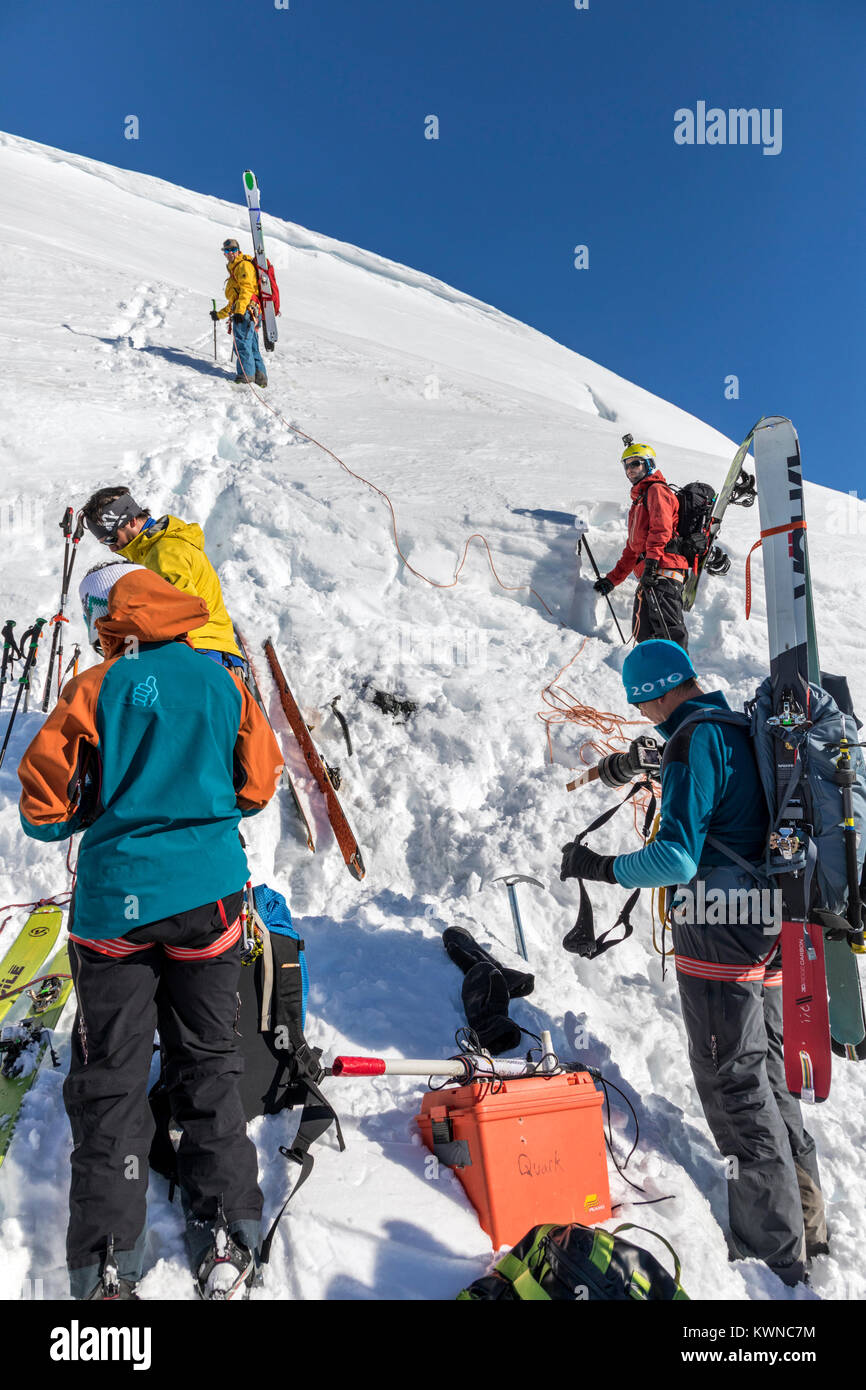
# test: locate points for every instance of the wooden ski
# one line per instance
(345, 835)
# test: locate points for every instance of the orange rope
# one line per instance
(563, 706)
(380, 492)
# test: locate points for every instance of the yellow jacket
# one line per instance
(241, 286)
(175, 549)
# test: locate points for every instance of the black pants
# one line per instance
(658, 612)
(736, 1054)
(120, 1004)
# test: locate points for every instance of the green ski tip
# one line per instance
(249, 178)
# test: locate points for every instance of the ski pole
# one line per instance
(661, 615)
(510, 880)
(72, 540)
(24, 679)
(471, 1066)
(585, 545)
(213, 302)
(11, 652)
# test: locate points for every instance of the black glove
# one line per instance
(603, 586)
(237, 318)
(580, 862)
(650, 576)
(214, 315)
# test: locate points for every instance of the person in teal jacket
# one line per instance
(157, 756)
(728, 968)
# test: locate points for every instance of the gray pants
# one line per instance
(735, 1049)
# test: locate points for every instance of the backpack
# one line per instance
(695, 502)
(575, 1264)
(830, 876)
(275, 289)
(831, 720)
(280, 1068)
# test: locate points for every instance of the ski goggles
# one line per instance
(635, 463)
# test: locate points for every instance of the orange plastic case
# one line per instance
(529, 1152)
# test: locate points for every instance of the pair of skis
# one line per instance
(313, 769)
(23, 1044)
(822, 1001)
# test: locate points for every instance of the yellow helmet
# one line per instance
(644, 452)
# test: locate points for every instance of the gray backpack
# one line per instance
(816, 775)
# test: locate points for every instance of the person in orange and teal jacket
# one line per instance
(245, 307)
(173, 549)
(652, 524)
(157, 757)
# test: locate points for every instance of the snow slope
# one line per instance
(471, 422)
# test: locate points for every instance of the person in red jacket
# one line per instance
(652, 524)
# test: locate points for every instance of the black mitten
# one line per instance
(485, 1003)
(465, 952)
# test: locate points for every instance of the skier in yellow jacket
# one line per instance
(172, 548)
(245, 307)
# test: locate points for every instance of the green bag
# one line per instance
(578, 1264)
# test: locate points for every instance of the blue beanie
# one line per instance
(653, 668)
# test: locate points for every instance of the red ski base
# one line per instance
(806, 1016)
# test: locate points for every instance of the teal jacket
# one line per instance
(710, 786)
(158, 752)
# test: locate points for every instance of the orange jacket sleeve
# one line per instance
(662, 511)
(50, 770)
(257, 756)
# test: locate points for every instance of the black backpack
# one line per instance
(696, 501)
(280, 1070)
(576, 1264)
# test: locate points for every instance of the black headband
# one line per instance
(112, 515)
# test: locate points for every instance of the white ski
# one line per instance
(251, 192)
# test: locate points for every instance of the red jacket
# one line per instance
(652, 522)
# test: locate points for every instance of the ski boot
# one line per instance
(261, 379)
(228, 1267)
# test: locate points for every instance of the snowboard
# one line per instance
(24, 957)
(269, 317)
(286, 776)
(23, 1045)
(738, 489)
(343, 832)
(794, 662)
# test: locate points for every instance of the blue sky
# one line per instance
(556, 130)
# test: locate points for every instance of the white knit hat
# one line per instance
(94, 590)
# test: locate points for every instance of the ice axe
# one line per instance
(510, 880)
